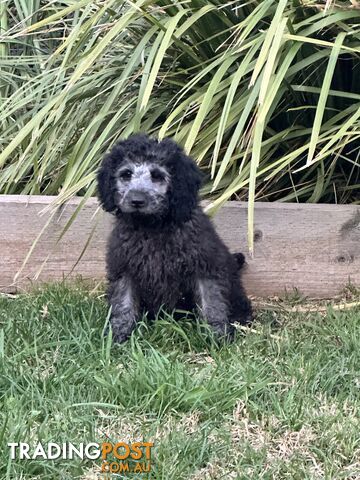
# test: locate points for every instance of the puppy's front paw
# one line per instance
(119, 331)
(120, 338)
(226, 333)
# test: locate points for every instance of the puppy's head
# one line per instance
(144, 177)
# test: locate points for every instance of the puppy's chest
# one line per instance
(159, 259)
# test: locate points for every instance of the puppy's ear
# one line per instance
(106, 182)
(186, 182)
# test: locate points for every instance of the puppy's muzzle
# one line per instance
(137, 199)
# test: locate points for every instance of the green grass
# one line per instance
(281, 402)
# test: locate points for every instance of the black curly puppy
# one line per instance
(163, 250)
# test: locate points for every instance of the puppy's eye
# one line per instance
(157, 176)
(125, 174)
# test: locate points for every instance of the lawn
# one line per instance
(281, 402)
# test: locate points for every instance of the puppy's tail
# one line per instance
(239, 259)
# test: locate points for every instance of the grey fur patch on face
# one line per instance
(142, 188)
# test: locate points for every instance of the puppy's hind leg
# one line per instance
(240, 304)
(214, 306)
(124, 309)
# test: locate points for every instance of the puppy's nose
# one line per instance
(138, 203)
(137, 199)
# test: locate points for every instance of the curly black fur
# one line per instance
(173, 258)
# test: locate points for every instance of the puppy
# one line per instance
(163, 250)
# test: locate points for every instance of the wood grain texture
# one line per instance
(315, 248)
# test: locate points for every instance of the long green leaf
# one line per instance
(324, 95)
